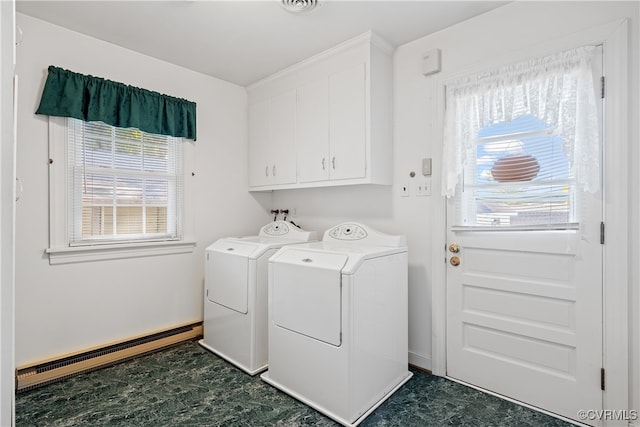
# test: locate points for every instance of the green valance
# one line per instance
(94, 99)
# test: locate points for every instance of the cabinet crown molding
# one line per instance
(366, 37)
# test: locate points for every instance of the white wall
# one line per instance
(7, 198)
(490, 36)
(66, 308)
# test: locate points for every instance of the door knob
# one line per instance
(455, 261)
(454, 248)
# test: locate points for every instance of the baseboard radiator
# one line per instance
(31, 376)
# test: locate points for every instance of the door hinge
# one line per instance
(602, 87)
(602, 377)
(602, 233)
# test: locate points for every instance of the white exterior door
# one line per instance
(524, 303)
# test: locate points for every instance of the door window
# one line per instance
(521, 140)
(519, 175)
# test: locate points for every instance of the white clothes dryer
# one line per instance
(338, 321)
(235, 295)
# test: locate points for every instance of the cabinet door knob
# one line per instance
(266, 171)
(274, 170)
(333, 162)
(323, 163)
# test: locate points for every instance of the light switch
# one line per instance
(426, 166)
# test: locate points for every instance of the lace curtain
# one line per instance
(557, 89)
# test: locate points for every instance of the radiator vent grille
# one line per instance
(32, 376)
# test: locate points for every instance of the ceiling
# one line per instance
(244, 41)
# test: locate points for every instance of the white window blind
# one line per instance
(124, 184)
(519, 175)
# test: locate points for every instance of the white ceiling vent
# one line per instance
(300, 6)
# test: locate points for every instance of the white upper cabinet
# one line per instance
(325, 121)
(312, 131)
(272, 154)
(347, 123)
(259, 135)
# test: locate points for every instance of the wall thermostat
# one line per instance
(431, 62)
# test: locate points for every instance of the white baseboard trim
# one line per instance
(422, 362)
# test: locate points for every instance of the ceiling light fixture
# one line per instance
(300, 6)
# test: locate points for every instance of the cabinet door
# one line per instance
(283, 138)
(259, 137)
(312, 130)
(347, 123)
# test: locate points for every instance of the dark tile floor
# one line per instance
(188, 386)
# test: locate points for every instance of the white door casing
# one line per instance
(8, 120)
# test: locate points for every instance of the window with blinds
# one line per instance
(124, 184)
(520, 176)
(521, 145)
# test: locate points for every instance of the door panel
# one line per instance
(307, 294)
(347, 123)
(283, 138)
(259, 155)
(227, 274)
(524, 308)
(526, 323)
(313, 131)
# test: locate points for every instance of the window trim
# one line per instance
(59, 250)
(72, 254)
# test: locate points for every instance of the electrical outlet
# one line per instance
(423, 188)
(404, 190)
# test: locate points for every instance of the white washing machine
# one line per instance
(338, 321)
(235, 300)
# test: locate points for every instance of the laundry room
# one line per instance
(244, 65)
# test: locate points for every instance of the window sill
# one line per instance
(68, 255)
(569, 226)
